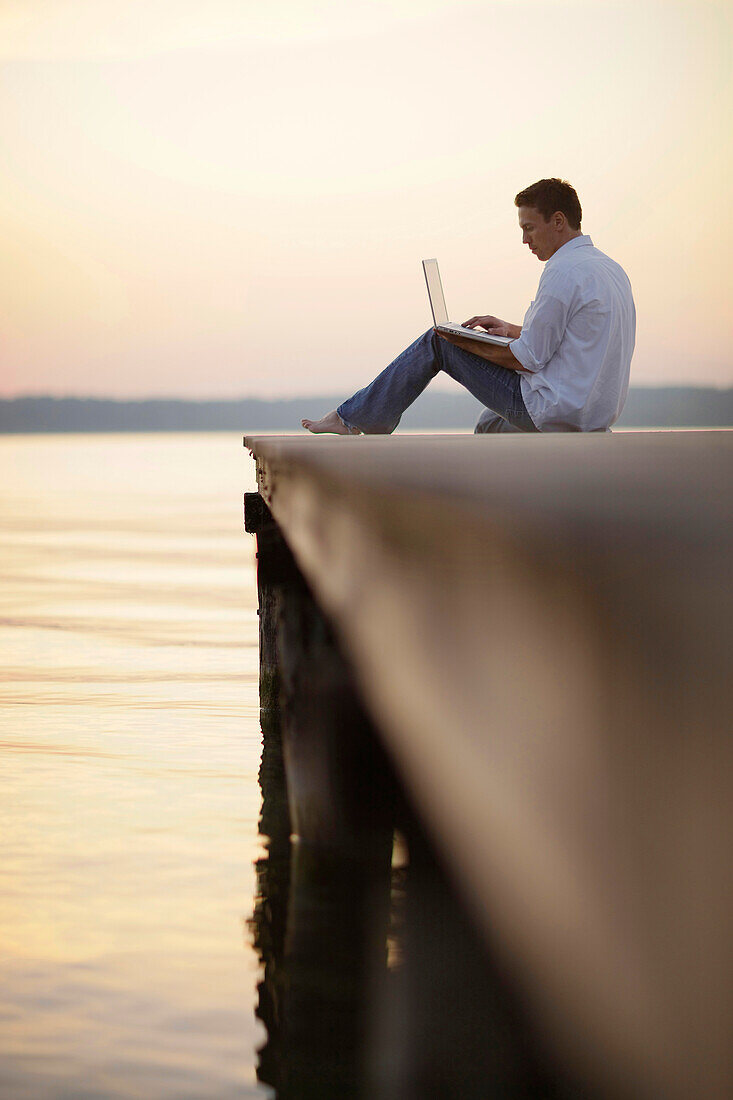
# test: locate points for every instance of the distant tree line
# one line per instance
(647, 407)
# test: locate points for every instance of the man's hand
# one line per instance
(494, 326)
(499, 356)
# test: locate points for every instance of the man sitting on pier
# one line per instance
(567, 368)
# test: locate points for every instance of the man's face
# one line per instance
(541, 237)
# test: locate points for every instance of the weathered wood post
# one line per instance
(276, 571)
(340, 786)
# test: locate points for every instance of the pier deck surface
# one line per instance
(541, 629)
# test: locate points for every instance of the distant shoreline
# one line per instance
(647, 407)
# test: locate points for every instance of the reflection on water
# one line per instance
(129, 734)
(267, 926)
(320, 928)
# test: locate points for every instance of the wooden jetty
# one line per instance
(527, 640)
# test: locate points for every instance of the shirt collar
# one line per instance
(570, 246)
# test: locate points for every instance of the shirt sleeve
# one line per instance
(542, 331)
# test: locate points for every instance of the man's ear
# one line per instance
(559, 220)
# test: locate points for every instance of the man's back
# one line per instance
(577, 341)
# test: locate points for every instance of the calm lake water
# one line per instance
(130, 747)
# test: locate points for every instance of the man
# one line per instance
(567, 368)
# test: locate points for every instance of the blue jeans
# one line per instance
(376, 410)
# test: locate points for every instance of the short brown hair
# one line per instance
(549, 196)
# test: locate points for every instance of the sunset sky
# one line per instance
(227, 199)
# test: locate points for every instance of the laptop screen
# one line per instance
(435, 292)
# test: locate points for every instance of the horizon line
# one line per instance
(287, 397)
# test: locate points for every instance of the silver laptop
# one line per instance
(440, 313)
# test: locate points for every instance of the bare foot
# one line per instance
(332, 423)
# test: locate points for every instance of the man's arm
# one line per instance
(502, 357)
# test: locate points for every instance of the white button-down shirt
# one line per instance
(577, 340)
